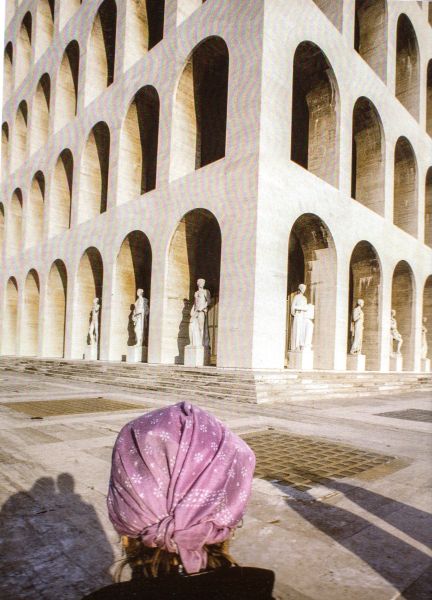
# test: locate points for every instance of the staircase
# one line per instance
(235, 385)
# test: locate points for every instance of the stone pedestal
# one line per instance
(91, 352)
(356, 362)
(396, 362)
(301, 360)
(194, 356)
(136, 354)
(425, 365)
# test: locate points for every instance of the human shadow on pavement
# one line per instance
(52, 544)
(394, 559)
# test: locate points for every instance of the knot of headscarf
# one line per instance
(179, 480)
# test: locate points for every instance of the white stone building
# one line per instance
(257, 144)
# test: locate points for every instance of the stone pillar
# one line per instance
(385, 319)
(389, 178)
(345, 138)
(342, 313)
(20, 316)
(70, 313)
(106, 307)
(157, 308)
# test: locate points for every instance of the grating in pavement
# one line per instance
(410, 414)
(71, 406)
(302, 462)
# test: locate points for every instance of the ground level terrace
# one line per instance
(46, 309)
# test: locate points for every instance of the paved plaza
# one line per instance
(341, 508)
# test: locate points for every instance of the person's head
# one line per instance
(393, 312)
(201, 283)
(140, 292)
(180, 481)
(360, 302)
(302, 288)
(65, 483)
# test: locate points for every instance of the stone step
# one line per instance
(233, 385)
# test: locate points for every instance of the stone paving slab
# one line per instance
(364, 537)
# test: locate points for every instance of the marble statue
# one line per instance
(198, 326)
(299, 307)
(357, 324)
(93, 332)
(394, 334)
(309, 326)
(424, 344)
(140, 316)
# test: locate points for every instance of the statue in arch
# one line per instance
(140, 316)
(395, 336)
(357, 325)
(198, 325)
(424, 344)
(93, 331)
(299, 308)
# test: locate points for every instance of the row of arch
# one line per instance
(195, 251)
(137, 175)
(144, 27)
(143, 30)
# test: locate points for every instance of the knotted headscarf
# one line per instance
(179, 480)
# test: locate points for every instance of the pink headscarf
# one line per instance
(179, 480)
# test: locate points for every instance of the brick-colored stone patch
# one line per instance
(71, 406)
(302, 462)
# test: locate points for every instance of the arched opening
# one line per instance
(14, 228)
(94, 173)
(195, 252)
(2, 229)
(429, 99)
(428, 208)
(67, 86)
(200, 109)
(44, 26)
(404, 305)
(30, 320)
(312, 261)
(407, 66)
(55, 310)
(426, 351)
(24, 50)
(144, 27)
(67, 11)
(186, 7)
(5, 147)
(368, 152)
(61, 194)
(41, 114)
(7, 71)
(35, 215)
(132, 271)
(314, 125)
(89, 284)
(405, 211)
(101, 51)
(19, 146)
(370, 34)
(365, 284)
(10, 323)
(333, 10)
(138, 146)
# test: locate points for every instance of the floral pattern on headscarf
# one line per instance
(179, 480)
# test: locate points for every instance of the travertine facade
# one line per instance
(255, 144)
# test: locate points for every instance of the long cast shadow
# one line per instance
(52, 544)
(392, 558)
